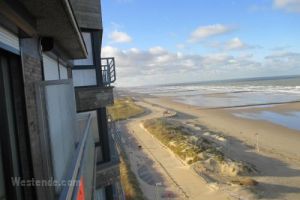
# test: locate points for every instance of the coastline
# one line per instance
(278, 158)
(273, 137)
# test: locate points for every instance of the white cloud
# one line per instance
(120, 37)
(284, 60)
(157, 50)
(204, 32)
(160, 66)
(157, 65)
(287, 5)
(235, 44)
(180, 46)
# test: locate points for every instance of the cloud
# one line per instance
(233, 44)
(157, 50)
(120, 37)
(180, 46)
(283, 61)
(288, 5)
(284, 55)
(204, 32)
(281, 48)
(158, 65)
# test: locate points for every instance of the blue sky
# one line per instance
(173, 41)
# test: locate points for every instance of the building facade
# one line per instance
(55, 139)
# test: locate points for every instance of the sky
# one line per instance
(174, 41)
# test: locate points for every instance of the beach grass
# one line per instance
(180, 141)
(203, 153)
(124, 108)
(129, 181)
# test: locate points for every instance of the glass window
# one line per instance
(7, 126)
(88, 43)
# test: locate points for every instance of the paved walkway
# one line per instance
(155, 164)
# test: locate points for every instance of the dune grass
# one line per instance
(124, 108)
(180, 141)
(129, 181)
(192, 149)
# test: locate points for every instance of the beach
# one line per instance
(272, 137)
(253, 121)
(273, 149)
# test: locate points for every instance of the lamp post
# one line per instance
(156, 190)
(257, 147)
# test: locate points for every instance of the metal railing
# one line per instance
(78, 165)
(108, 70)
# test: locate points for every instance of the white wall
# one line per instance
(63, 71)
(50, 68)
(84, 77)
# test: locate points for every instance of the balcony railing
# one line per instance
(108, 70)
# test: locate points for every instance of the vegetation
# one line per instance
(129, 181)
(176, 137)
(207, 155)
(124, 108)
(245, 182)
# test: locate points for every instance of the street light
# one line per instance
(156, 191)
(257, 147)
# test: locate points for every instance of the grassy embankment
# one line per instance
(124, 108)
(129, 181)
(180, 141)
(208, 156)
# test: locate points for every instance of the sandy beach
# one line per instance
(273, 149)
(159, 171)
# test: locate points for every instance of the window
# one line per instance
(88, 43)
(8, 139)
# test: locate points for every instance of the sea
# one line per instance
(236, 94)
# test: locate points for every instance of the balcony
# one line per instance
(108, 70)
(93, 97)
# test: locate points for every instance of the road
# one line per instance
(159, 171)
